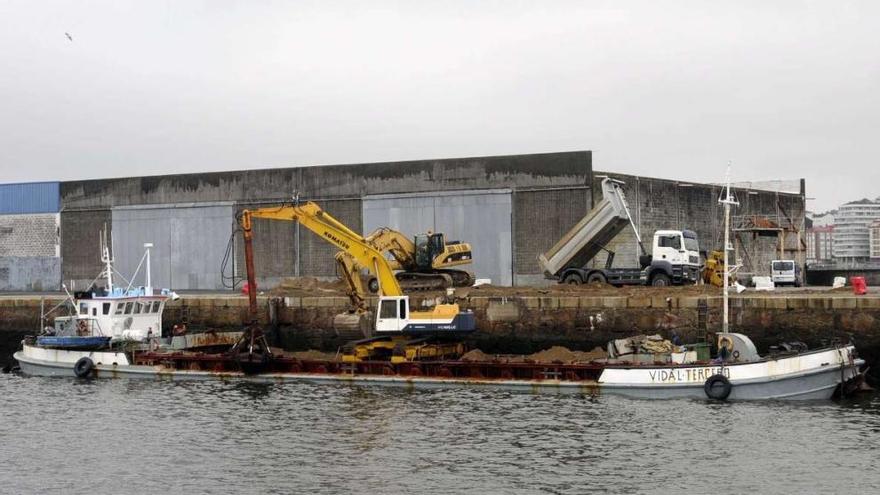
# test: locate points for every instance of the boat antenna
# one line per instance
(727, 199)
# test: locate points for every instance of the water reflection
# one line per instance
(200, 437)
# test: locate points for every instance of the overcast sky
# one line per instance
(663, 89)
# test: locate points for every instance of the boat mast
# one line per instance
(727, 200)
(108, 262)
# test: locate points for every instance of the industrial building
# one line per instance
(509, 208)
(30, 253)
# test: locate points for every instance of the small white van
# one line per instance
(785, 272)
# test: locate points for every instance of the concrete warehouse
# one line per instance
(510, 208)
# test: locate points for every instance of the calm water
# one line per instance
(120, 436)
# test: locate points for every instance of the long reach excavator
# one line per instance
(397, 333)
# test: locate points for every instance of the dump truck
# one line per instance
(674, 258)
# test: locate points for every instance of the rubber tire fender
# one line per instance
(83, 367)
(717, 387)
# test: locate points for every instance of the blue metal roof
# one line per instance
(31, 197)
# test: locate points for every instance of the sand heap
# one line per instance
(307, 286)
(555, 354)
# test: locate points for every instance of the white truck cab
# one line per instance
(675, 257)
(676, 246)
(785, 272)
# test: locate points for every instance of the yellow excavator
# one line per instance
(397, 333)
(425, 262)
(713, 270)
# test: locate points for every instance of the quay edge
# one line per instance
(527, 323)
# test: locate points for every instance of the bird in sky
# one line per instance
(68, 36)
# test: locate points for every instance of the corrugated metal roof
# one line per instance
(31, 197)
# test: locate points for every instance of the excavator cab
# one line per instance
(428, 247)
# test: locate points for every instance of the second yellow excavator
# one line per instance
(425, 262)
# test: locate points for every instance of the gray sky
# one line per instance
(663, 89)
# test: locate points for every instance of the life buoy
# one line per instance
(83, 367)
(717, 387)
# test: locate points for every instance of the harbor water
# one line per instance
(127, 436)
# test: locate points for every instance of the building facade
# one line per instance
(874, 238)
(852, 231)
(819, 244)
(29, 241)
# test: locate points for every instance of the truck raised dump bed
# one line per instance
(589, 236)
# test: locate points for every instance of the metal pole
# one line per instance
(249, 265)
(147, 246)
(727, 201)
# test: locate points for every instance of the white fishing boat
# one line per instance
(105, 325)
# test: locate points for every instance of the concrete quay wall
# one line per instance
(529, 323)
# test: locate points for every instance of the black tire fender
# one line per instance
(717, 387)
(84, 367)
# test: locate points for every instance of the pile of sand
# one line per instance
(308, 286)
(555, 354)
(312, 355)
(559, 354)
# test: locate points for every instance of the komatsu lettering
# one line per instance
(339, 242)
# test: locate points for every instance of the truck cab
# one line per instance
(675, 258)
(785, 272)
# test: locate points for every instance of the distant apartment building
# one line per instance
(823, 219)
(874, 237)
(819, 244)
(852, 224)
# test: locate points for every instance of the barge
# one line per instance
(791, 375)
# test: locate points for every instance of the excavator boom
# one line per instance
(356, 251)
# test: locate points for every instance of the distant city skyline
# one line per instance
(784, 90)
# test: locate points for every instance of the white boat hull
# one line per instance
(806, 376)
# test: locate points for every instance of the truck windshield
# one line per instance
(691, 244)
(783, 266)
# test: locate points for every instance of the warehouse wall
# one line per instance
(31, 273)
(80, 255)
(29, 235)
(189, 241)
(337, 188)
(29, 242)
(340, 181)
(541, 217)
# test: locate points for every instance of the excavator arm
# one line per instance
(356, 250)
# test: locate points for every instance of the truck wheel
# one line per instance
(572, 279)
(596, 278)
(661, 280)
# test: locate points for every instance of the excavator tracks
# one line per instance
(401, 349)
